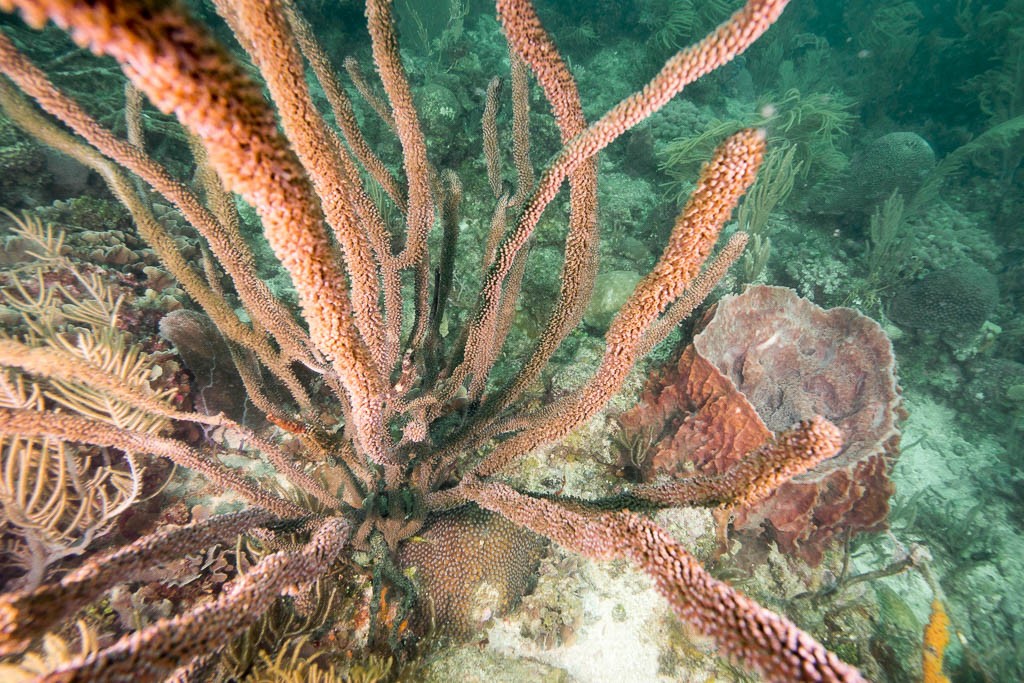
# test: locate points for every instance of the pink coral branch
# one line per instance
(155, 651)
(26, 615)
(760, 638)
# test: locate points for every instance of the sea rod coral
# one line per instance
(404, 458)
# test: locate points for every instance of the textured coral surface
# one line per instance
(462, 591)
(767, 359)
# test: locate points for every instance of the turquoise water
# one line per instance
(891, 185)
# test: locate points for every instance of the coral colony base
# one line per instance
(389, 420)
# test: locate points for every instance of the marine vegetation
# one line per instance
(399, 409)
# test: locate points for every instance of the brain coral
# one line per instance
(460, 591)
(953, 301)
(767, 359)
(897, 161)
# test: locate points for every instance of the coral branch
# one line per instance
(24, 616)
(756, 476)
(530, 44)
(724, 179)
(696, 293)
(720, 47)
(420, 215)
(341, 107)
(54, 363)
(521, 131)
(155, 651)
(492, 153)
(936, 638)
(760, 638)
(79, 429)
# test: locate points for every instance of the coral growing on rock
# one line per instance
(459, 592)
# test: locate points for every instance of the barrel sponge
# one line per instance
(953, 301)
(468, 565)
(766, 359)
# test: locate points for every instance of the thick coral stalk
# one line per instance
(272, 47)
(183, 70)
(152, 653)
(26, 615)
(760, 638)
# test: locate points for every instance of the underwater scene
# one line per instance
(526, 340)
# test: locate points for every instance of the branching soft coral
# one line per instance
(402, 460)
